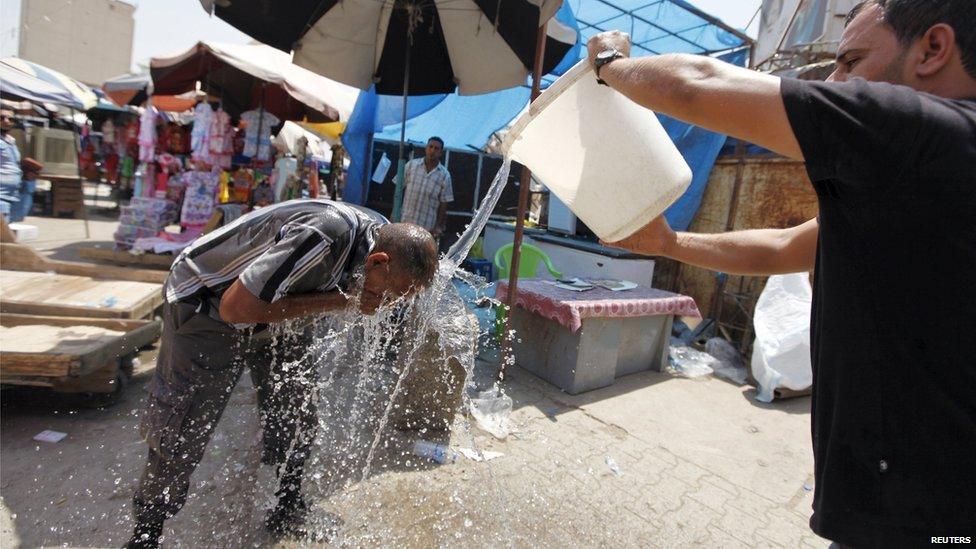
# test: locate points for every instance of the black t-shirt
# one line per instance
(894, 310)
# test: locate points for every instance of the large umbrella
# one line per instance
(252, 76)
(413, 47)
(69, 91)
(478, 46)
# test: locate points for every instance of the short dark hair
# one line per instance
(438, 139)
(412, 248)
(911, 19)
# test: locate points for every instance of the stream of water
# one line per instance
(363, 362)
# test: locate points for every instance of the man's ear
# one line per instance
(377, 258)
(937, 48)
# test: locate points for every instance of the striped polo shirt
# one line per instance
(293, 247)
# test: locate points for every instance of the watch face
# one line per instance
(606, 54)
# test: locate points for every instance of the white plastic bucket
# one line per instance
(607, 158)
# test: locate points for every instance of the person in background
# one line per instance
(427, 189)
(889, 143)
(11, 174)
(291, 260)
(18, 173)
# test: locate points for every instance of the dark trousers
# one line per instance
(200, 361)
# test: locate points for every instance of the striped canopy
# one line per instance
(80, 96)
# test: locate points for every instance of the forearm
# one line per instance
(752, 253)
(239, 306)
(708, 93)
(302, 305)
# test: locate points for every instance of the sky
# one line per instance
(171, 26)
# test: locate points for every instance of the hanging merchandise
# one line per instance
(173, 139)
(199, 198)
(128, 143)
(220, 139)
(168, 164)
(147, 135)
(200, 137)
(257, 139)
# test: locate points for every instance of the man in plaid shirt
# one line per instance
(427, 189)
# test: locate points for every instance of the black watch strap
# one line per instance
(605, 58)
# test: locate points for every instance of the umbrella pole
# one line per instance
(508, 351)
(401, 161)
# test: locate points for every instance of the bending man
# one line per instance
(291, 260)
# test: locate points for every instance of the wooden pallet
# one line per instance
(70, 354)
(51, 294)
(81, 319)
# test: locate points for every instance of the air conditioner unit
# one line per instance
(56, 149)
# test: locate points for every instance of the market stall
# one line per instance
(225, 162)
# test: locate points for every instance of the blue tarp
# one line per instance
(466, 122)
(700, 148)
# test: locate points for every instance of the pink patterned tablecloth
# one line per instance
(569, 308)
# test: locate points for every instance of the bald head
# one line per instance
(411, 248)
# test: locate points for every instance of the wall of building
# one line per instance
(89, 40)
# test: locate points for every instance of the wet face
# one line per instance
(434, 151)
(869, 49)
(383, 284)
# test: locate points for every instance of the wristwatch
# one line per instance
(605, 57)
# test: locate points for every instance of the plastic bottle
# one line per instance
(441, 453)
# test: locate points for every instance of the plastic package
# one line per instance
(491, 410)
(730, 364)
(691, 363)
(781, 354)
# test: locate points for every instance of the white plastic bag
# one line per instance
(781, 354)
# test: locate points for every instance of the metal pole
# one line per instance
(401, 162)
(524, 184)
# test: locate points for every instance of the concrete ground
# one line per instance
(698, 463)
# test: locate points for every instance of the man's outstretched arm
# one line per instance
(702, 91)
(756, 252)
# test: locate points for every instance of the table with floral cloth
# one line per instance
(580, 341)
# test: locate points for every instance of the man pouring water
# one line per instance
(889, 142)
(293, 260)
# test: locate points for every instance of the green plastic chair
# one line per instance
(528, 264)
